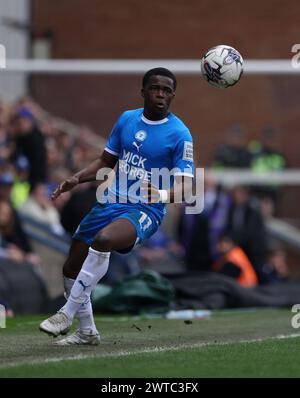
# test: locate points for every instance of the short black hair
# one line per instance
(159, 72)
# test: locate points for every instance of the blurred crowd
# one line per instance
(229, 236)
(35, 149)
(36, 153)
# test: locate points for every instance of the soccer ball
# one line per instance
(222, 66)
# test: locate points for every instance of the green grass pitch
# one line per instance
(253, 343)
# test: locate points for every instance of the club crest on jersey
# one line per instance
(140, 135)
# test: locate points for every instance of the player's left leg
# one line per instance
(120, 234)
(72, 266)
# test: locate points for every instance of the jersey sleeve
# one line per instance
(113, 145)
(183, 160)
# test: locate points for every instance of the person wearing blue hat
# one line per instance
(25, 113)
(30, 143)
(6, 179)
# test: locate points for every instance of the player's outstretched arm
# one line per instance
(87, 174)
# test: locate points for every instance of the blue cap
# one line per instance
(6, 179)
(25, 113)
(22, 163)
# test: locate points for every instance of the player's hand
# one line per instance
(149, 193)
(65, 186)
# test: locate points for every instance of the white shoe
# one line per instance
(57, 324)
(79, 338)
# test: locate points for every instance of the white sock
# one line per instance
(85, 318)
(84, 315)
(93, 269)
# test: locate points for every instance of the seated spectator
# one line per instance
(275, 269)
(233, 262)
(13, 241)
(40, 208)
(16, 234)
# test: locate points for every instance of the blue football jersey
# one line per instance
(145, 147)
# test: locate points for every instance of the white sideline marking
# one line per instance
(143, 351)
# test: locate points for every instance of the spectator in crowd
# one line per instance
(264, 154)
(217, 202)
(234, 262)
(13, 241)
(234, 153)
(265, 157)
(245, 225)
(185, 234)
(40, 208)
(66, 145)
(199, 233)
(6, 184)
(30, 143)
(275, 268)
(21, 186)
(267, 207)
(193, 235)
(6, 146)
(16, 233)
